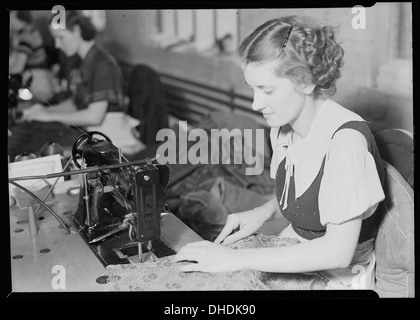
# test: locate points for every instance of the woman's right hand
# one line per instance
(241, 225)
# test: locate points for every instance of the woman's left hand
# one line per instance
(36, 112)
(209, 257)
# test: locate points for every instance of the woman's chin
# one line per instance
(274, 122)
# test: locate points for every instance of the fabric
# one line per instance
(99, 78)
(120, 128)
(164, 275)
(246, 136)
(394, 246)
(205, 209)
(147, 103)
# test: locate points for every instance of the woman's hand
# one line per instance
(241, 225)
(36, 112)
(209, 257)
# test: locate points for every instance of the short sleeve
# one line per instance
(350, 185)
(106, 83)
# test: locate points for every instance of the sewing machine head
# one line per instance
(127, 198)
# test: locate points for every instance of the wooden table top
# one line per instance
(37, 260)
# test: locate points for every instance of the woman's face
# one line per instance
(277, 98)
(67, 40)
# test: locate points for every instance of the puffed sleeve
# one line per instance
(350, 185)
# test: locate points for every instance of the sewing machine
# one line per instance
(120, 203)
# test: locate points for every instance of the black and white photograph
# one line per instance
(197, 151)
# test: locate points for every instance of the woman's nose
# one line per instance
(257, 103)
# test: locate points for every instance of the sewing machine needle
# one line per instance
(140, 256)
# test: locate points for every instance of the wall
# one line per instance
(367, 52)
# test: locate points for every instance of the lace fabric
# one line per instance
(164, 274)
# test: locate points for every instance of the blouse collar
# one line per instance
(306, 154)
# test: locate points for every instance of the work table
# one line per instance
(38, 261)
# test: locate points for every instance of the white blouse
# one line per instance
(350, 186)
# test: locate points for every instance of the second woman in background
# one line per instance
(97, 103)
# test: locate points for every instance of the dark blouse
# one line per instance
(99, 78)
(303, 213)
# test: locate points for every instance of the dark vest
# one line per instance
(303, 213)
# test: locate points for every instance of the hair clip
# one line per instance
(287, 37)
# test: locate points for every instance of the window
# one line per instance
(98, 18)
(207, 31)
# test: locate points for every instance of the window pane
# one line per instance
(227, 24)
(204, 29)
(185, 24)
(168, 22)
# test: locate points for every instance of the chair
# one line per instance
(394, 244)
(396, 147)
(147, 102)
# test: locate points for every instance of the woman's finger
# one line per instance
(227, 230)
(191, 267)
(235, 237)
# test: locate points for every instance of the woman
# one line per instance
(28, 56)
(97, 103)
(327, 169)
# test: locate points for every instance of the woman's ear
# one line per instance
(309, 89)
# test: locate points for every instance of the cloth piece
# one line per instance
(164, 275)
(147, 103)
(206, 209)
(120, 128)
(236, 128)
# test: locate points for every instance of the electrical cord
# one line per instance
(66, 228)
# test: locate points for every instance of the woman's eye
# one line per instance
(268, 91)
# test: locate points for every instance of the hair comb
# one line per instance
(287, 37)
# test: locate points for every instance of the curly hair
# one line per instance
(306, 53)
